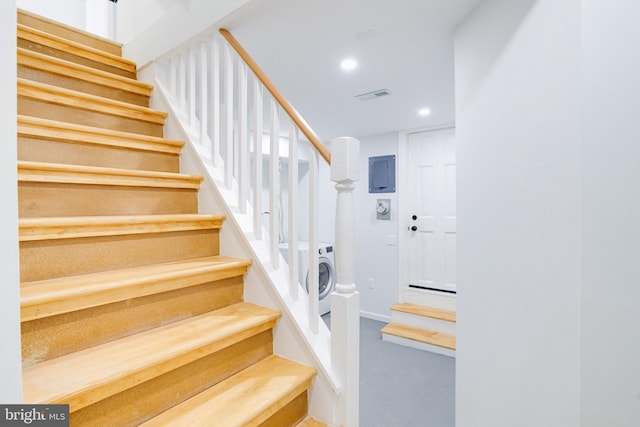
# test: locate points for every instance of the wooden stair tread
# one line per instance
(42, 38)
(74, 379)
(61, 96)
(31, 229)
(55, 130)
(51, 297)
(419, 334)
(43, 23)
(311, 422)
(425, 311)
(29, 171)
(29, 58)
(245, 399)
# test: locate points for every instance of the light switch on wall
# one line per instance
(392, 240)
(383, 209)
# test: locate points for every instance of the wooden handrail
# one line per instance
(284, 103)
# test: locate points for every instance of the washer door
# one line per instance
(326, 278)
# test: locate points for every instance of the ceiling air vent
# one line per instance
(373, 95)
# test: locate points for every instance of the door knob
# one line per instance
(414, 228)
(414, 217)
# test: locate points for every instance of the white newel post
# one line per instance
(345, 301)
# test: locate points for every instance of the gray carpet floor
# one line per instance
(402, 386)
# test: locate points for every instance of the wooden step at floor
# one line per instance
(59, 142)
(52, 297)
(55, 103)
(42, 23)
(69, 50)
(130, 361)
(50, 189)
(421, 310)
(421, 335)
(311, 422)
(57, 72)
(64, 246)
(429, 317)
(252, 397)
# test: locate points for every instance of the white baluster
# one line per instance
(293, 211)
(257, 186)
(204, 98)
(192, 88)
(243, 141)
(228, 102)
(215, 101)
(182, 83)
(345, 301)
(274, 187)
(173, 77)
(314, 245)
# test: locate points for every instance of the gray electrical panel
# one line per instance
(382, 174)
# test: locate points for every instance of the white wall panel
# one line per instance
(519, 175)
(610, 382)
(10, 354)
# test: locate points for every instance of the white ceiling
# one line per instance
(404, 46)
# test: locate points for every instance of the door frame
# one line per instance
(403, 205)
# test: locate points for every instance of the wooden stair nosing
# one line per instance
(42, 38)
(34, 20)
(425, 311)
(51, 64)
(61, 96)
(51, 129)
(43, 172)
(51, 297)
(73, 379)
(248, 398)
(419, 334)
(32, 229)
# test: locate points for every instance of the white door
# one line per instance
(432, 210)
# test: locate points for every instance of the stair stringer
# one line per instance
(264, 285)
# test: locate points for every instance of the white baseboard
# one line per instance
(375, 316)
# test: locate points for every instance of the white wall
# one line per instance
(98, 18)
(519, 214)
(376, 247)
(69, 12)
(611, 208)
(89, 15)
(10, 363)
(149, 28)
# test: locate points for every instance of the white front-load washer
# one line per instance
(326, 271)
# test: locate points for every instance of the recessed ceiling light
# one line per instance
(348, 64)
(424, 112)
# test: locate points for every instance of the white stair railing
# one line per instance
(235, 118)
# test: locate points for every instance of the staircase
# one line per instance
(129, 312)
(429, 324)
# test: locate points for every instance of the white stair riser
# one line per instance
(418, 345)
(437, 325)
(430, 298)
